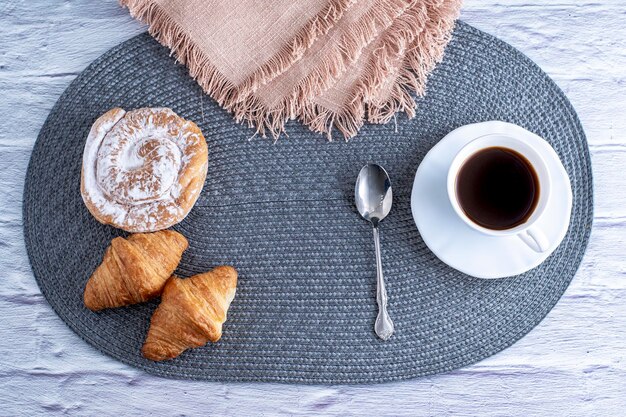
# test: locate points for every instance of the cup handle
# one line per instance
(535, 239)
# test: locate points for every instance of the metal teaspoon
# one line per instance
(373, 197)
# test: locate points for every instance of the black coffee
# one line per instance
(497, 188)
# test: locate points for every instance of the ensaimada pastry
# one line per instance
(143, 170)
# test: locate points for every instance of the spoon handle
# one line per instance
(383, 325)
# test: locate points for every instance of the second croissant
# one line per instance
(135, 269)
(191, 313)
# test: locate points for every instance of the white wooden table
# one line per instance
(573, 363)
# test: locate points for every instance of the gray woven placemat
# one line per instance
(283, 214)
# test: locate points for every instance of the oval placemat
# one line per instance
(283, 214)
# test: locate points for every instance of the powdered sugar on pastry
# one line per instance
(144, 169)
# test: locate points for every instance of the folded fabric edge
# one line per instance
(420, 61)
(170, 34)
(425, 51)
(390, 49)
(337, 61)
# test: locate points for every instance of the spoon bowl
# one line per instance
(372, 192)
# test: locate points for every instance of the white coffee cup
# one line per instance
(528, 231)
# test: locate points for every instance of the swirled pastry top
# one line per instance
(143, 170)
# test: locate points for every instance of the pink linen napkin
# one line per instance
(321, 61)
(233, 46)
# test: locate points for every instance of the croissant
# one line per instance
(134, 270)
(191, 313)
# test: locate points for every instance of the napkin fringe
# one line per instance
(419, 62)
(335, 62)
(170, 34)
(427, 49)
(394, 44)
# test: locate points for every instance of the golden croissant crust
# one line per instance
(191, 313)
(143, 170)
(135, 269)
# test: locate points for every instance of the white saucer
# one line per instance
(460, 246)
